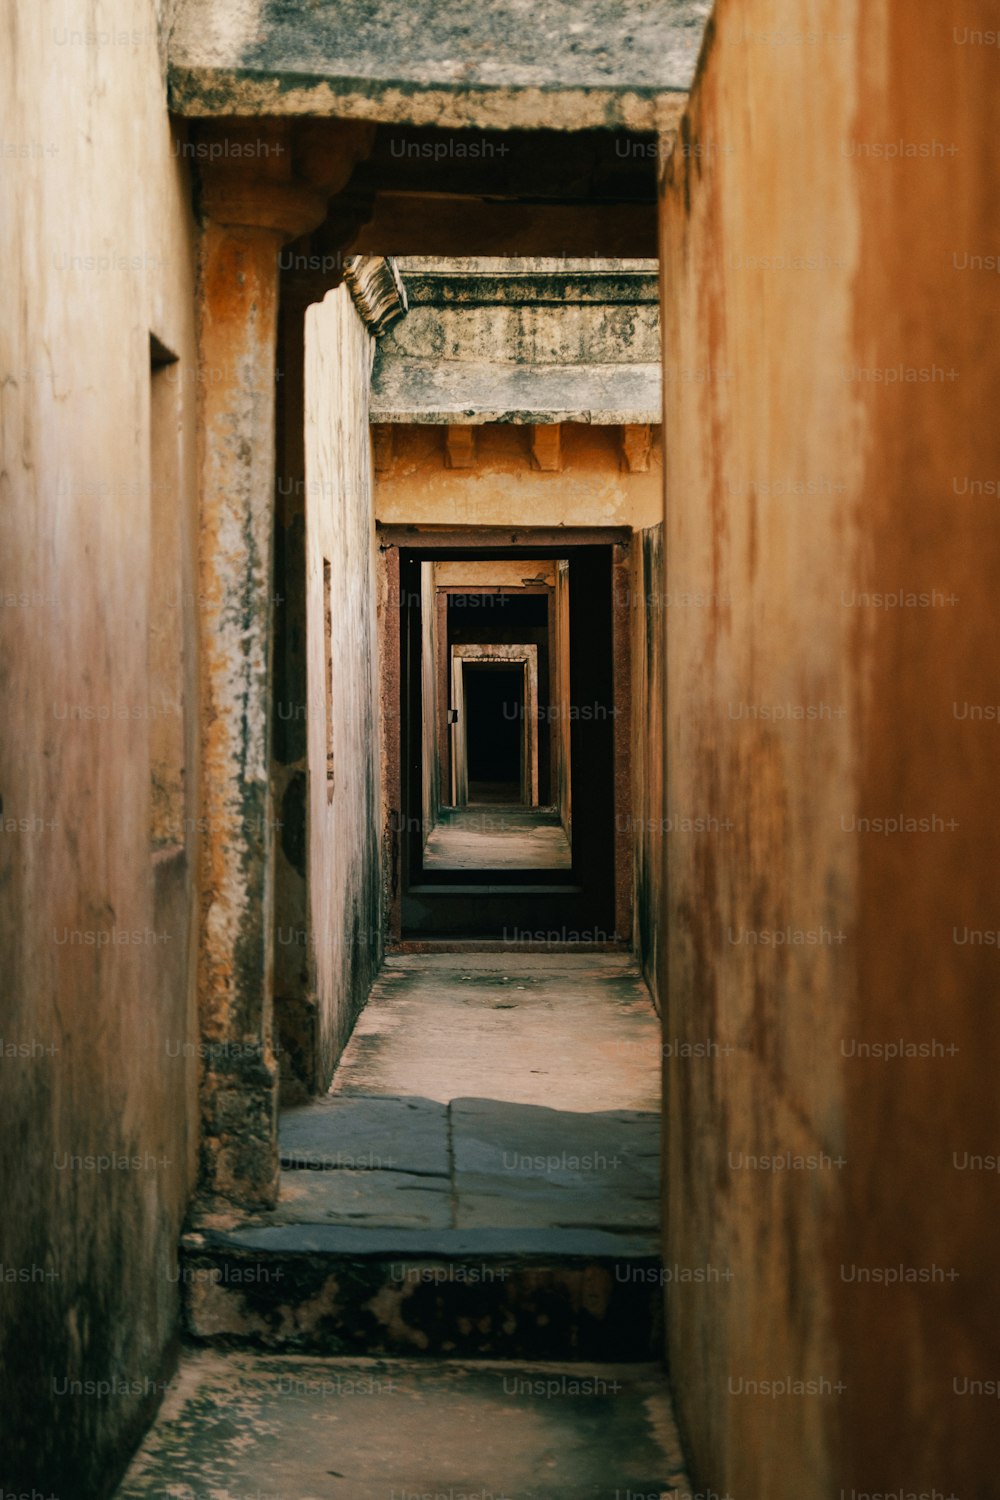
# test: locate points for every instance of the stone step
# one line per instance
(478, 1293)
(296, 1428)
(421, 1215)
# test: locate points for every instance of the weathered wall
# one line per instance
(345, 877)
(99, 1048)
(831, 372)
(293, 955)
(504, 488)
(646, 821)
(559, 332)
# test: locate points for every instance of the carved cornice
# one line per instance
(377, 289)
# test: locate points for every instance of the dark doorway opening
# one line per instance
(547, 898)
(494, 731)
(503, 618)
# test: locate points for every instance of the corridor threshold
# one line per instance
(482, 1178)
(466, 1238)
(489, 1092)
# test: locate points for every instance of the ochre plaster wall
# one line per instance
(504, 489)
(805, 474)
(99, 1032)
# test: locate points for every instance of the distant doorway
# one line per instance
(507, 756)
(494, 725)
(494, 732)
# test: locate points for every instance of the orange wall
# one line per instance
(835, 170)
(504, 489)
(99, 831)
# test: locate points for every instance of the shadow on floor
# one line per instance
(410, 1162)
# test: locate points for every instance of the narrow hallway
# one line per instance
(499, 939)
(437, 1209)
(422, 1127)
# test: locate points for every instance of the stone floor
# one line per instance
(473, 1163)
(498, 838)
(571, 1031)
(487, 1090)
(459, 1294)
(280, 1427)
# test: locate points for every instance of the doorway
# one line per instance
(504, 814)
(494, 731)
(494, 725)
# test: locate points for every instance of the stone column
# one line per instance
(252, 201)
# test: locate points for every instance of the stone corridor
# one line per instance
(436, 1205)
(498, 794)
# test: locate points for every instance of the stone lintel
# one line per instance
(457, 391)
(499, 282)
(440, 62)
(460, 447)
(546, 447)
(637, 439)
(211, 92)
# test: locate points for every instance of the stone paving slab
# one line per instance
(281, 1427)
(373, 1133)
(480, 1183)
(498, 838)
(480, 1162)
(481, 1203)
(565, 1133)
(347, 1197)
(522, 1164)
(563, 1146)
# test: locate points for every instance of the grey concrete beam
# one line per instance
(456, 392)
(512, 331)
(534, 282)
(513, 64)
